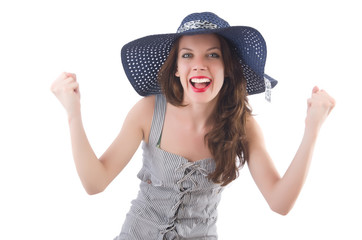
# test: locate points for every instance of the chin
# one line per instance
(200, 98)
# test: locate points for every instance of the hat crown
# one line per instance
(201, 21)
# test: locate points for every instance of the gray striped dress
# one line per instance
(176, 200)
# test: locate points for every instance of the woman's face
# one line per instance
(200, 67)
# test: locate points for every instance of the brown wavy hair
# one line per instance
(227, 139)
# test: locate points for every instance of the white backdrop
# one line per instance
(309, 43)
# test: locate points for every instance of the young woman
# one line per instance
(196, 126)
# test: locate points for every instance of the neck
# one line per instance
(197, 115)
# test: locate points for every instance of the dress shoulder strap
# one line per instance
(157, 119)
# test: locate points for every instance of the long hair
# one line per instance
(227, 138)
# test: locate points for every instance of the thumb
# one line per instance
(71, 75)
(315, 89)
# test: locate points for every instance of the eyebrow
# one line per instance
(188, 49)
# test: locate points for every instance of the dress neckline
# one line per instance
(182, 157)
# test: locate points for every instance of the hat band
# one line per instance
(197, 24)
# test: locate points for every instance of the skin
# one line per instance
(195, 58)
(185, 127)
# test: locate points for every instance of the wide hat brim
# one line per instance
(143, 58)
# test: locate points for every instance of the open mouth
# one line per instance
(200, 83)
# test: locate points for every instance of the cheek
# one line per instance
(181, 69)
(221, 75)
(220, 84)
(182, 74)
(184, 81)
(220, 79)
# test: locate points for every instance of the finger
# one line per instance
(333, 104)
(315, 89)
(309, 102)
(62, 81)
(69, 80)
(328, 97)
(61, 77)
(70, 74)
(333, 101)
(74, 86)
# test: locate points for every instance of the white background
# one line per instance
(309, 43)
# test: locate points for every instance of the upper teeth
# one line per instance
(200, 80)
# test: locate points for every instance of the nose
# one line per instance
(199, 64)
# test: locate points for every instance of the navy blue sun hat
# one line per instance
(143, 58)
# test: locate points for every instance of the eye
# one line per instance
(214, 55)
(186, 55)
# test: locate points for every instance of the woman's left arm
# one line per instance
(282, 192)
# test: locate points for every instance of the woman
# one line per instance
(196, 127)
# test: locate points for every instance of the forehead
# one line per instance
(199, 41)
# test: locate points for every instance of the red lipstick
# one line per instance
(200, 83)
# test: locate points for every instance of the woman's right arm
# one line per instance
(96, 174)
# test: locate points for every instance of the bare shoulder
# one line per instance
(145, 105)
(142, 113)
(253, 132)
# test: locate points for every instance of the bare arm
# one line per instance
(282, 192)
(96, 174)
